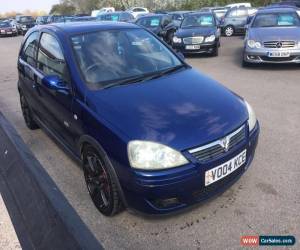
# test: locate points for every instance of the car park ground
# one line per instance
(265, 201)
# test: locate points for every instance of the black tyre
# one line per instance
(215, 52)
(229, 31)
(27, 113)
(101, 184)
(246, 64)
(170, 35)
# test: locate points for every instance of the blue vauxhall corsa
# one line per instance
(152, 134)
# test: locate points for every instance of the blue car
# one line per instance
(152, 133)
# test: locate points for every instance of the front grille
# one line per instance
(193, 40)
(218, 148)
(278, 59)
(279, 44)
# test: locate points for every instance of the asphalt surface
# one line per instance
(265, 201)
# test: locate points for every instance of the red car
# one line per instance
(6, 29)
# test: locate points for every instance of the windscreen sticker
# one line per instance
(285, 20)
(206, 20)
(154, 22)
(114, 18)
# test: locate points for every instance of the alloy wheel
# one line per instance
(97, 181)
(229, 31)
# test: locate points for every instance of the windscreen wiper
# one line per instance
(144, 77)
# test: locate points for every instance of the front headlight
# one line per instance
(253, 44)
(176, 39)
(210, 38)
(24, 26)
(252, 117)
(153, 156)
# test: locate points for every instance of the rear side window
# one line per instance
(50, 57)
(30, 49)
(242, 12)
(232, 13)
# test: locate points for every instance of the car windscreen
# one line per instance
(201, 20)
(5, 24)
(24, 19)
(109, 56)
(149, 22)
(276, 20)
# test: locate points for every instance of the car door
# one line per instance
(56, 105)
(27, 69)
(241, 19)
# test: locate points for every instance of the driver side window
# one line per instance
(51, 60)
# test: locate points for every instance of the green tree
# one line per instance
(63, 9)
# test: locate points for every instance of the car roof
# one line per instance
(205, 12)
(115, 12)
(276, 9)
(154, 15)
(86, 27)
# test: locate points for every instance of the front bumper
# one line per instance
(167, 191)
(8, 33)
(261, 56)
(204, 48)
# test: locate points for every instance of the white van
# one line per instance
(238, 5)
(95, 13)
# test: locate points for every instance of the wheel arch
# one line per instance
(88, 140)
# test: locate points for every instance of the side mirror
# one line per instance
(55, 83)
(180, 55)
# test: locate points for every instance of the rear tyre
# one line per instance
(27, 113)
(229, 31)
(101, 184)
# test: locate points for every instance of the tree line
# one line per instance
(69, 7)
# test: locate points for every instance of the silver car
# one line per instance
(273, 36)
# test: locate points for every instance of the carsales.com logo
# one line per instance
(253, 240)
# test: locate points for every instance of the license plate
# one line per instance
(9, 32)
(225, 169)
(279, 54)
(192, 47)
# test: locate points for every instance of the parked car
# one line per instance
(96, 13)
(40, 20)
(24, 23)
(83, 19)
(135, 11)
(119, 16)
(6, 29)
(235, 20)
(56, 19)
(178, 16)
(273, 37)
(159, 24)
(238, 5)
(198, 33)
(152, 133)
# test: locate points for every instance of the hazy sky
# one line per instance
(21, 5)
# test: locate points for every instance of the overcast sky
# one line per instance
(21, 5)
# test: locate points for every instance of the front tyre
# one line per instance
(100, 183)
(215, 52)
(27, 113)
